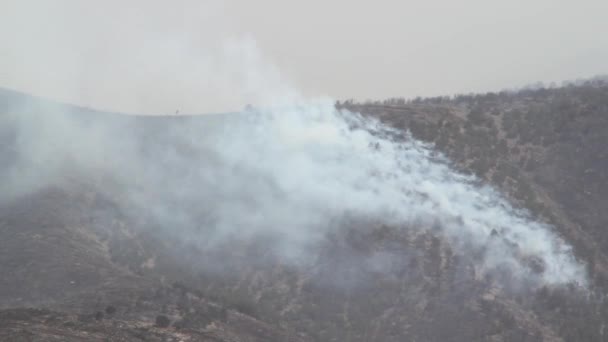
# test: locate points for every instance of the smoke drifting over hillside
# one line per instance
(286, 173)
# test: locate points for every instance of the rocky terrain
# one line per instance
(79, 265)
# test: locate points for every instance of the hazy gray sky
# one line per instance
(200, 56)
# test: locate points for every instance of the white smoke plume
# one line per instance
(288, 173)
(287, 168)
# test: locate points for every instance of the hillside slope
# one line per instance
(95, 267)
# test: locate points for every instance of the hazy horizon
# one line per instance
(210, 56)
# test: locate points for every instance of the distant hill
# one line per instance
(78, 264)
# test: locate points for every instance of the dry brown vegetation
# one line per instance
(544, 148)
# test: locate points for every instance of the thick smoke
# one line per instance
(287, 170)
(285, 173)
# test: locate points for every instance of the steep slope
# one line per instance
(77, 248)
(68, 258)
(546, 149)
(58, 252)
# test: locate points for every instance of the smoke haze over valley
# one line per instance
(287, 174)
(289, 214)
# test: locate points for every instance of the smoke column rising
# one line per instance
(285, 172)
(287, 169)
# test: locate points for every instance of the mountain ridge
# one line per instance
(424, 289)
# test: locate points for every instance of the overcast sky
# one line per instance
(206, 56)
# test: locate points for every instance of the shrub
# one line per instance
(162, 321)
(110, 310)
